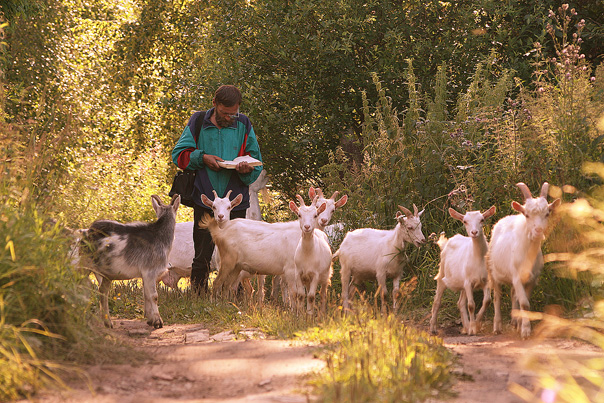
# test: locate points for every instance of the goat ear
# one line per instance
(406, 211)
(293, 207)
(322, 208)
(311, 193)
(175, 203)
(544, 190)
(518, 207)
(156, 203)
(489, 212)
(455, 214)
(237, 200)
(205, 200)
(342, 201)
(554, 204)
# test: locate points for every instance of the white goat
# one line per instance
(330, 205)
(253, 212)
(313, 254)
(323, 219)
(183, 253)
(463, 268)
(183, 250)
(135, 250)
(514, 256)
(369, 253)
(257, 247)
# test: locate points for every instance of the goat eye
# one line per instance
(526, 215)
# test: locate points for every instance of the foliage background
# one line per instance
(431, 103)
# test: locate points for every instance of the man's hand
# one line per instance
(211, 161)
(244, 168)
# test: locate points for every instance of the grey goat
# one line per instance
(134, 250)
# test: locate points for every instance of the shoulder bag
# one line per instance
(184, 181)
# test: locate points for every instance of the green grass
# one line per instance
(22, 371)
(371, 358)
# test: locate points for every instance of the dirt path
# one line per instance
(489, 364)
(188, 365)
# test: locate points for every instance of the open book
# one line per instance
(232, 164)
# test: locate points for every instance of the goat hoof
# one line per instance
(157, 323)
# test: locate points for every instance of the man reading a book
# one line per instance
(218, 134)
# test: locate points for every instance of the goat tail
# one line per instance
(335, 256)
(442, 241)
(440, 273)
(207, 222)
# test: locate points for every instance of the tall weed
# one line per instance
(377, 359)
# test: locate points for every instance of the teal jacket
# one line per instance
(226, 143)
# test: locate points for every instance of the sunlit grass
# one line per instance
(378, 359)
(22, 370)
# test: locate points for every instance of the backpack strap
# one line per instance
(197, 125)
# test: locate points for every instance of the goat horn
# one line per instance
(215, 194)
(301, 200)
(544, 190)
(319, 192)
(228, 194)
(158, 199)
(406, 211)
(414, 209)
(525, 190)
(335, 194)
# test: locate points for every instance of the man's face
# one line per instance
(225, 115)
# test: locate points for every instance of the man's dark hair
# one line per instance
(228, 95)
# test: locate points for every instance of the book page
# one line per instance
(232, 164)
